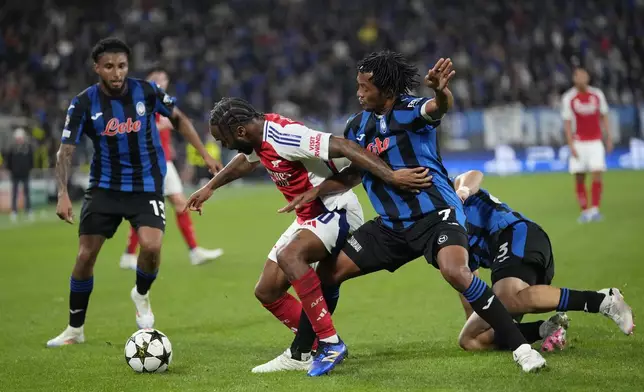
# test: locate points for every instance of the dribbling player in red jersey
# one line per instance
(173, 190)
(586, 106)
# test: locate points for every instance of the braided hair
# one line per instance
(231, 112)
(392, 73)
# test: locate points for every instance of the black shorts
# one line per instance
(104, 209)
(374, 247)
(523, 251)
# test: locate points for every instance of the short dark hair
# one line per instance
(230, 112)
(110, 45)
(157, 68)
(392, 73)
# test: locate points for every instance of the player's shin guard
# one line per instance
(144, 280)
(530, 332)
(488, 306)
(287, 310)
(132, 242)
(596, 193)
(308, 289)
(185, 225)
(80, 291)
(574, 300)
(582, 197)
(305, 336)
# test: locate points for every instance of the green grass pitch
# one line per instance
(401, 328)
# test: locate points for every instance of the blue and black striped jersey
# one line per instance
(127, 147)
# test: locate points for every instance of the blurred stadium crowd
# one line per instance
(298, 56)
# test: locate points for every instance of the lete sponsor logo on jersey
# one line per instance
(114, 127)
(378, 146)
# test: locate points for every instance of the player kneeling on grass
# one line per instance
(519, 255)
(297, 158)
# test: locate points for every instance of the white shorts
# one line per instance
(172, 182)
(332, 228)
(591, 157)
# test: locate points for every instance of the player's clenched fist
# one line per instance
(64, 208)
(197, 199)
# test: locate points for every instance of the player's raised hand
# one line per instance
(412, 179)
(300, 200)
(64, 208)
(196, 200)
(439, 76)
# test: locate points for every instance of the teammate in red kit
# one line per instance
(586, 106)
(173, 190)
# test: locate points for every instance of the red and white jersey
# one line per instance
(165, 127)
(297, 159)
(585, 109)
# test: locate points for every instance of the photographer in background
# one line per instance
(19, 161)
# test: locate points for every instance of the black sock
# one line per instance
(587, 301)
(79, 292)
(531, 331)
(144, 280)
(305, 336)
(486, 305)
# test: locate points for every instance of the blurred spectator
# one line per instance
(301, 54)
(19, 160)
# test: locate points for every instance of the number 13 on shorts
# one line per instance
(159, 208)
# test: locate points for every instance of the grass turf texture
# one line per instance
(401, 329)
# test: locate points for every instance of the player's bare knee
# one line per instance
(287, 257)
(178, 202)
(266, 294)
(87, 255)
(459, 276)
(150, 245)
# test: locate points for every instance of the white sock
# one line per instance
(331, 339)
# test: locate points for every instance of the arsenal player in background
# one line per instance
(586, 106)
(172, 190)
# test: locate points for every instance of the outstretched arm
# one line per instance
(468, 184)
(412, 179)
(238, 167)
(338, 183)
(183, 124)
(437, 79)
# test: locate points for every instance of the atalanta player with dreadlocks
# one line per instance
(401, 129)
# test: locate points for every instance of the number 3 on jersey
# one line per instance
(502, 254)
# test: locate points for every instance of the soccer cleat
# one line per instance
(553, 323)
(615, 308)
(200, 255)
(128, 261)
(144, 315)
(328, 356)
(529, 360)
(555, 340)
(596, 217)
(585, 217)
(70, 335)
(285, 361)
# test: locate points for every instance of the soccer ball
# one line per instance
(148, 351)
